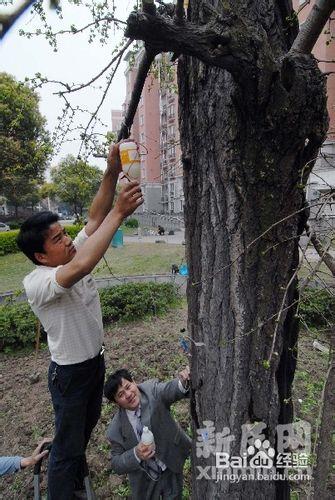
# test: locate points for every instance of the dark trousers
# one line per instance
(168, 487)
(76, 392)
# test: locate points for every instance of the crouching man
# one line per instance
(153, 473)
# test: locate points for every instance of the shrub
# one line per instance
(133, 223)
(14, 225)
(73, 230)
(317, 307)
(133, 301)
(128, 302)
(17, 326)
(8, 242)
(8, 239)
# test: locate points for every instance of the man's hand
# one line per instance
(113, 160)
(184, 377)
(144, 451)
(114, 166)
(129, 199)
(36, 455)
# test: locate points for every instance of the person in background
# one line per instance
(153, 472)
(63, 295)
(9, 465)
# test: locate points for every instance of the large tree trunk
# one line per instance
(252, 118)
(245, 147)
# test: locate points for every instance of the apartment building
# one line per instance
(322, 179)
(116, 119)
(171, 165)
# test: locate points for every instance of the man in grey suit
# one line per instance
(153, 473)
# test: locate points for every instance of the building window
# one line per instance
(171, 130)
(141, 120)
(171, 110)
(142, 138)
(172, 151)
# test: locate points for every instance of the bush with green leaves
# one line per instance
(8, 242)
(17, 326)
(317, 307)
(128, 302)
(133, 301)
(73, 230)
(133, 223)
(8, 239)
(14, 225)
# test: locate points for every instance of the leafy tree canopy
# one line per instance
(24, 141)
(76, 182)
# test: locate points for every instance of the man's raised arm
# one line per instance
(89, 254)
(103, 200)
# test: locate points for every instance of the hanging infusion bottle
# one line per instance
(130, 161)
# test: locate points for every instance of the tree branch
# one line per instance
(6, 21)
(323, 253)
(82, 86)
(313, 26)
(148, 57)
(74, 30)
(179, 16)
(211, 44)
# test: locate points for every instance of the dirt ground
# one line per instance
(149, 349)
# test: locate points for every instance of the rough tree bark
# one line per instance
(252, 119)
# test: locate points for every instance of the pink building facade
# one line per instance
(116, 119)
(171, 164)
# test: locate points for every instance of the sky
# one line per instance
(75, 61)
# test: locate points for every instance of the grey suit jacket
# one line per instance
(172, 444)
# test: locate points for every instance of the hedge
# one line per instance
(8, 242)
(317, 308)
(8, 239)
(132, 301)
(133, 223)
(128, 302)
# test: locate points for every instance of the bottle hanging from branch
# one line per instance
(130, 161)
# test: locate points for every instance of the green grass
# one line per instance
(132, 259)
(13, 268)
(141, 258)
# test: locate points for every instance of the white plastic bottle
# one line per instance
(130, 160)
(147, 438)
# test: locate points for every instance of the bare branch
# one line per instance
(179, 17)
(6, 21)
(101, 101)
(143, 70)
(74, 31)
(313, 26)
(323, 253)
(79, 87)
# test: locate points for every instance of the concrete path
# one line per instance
(178, 238)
